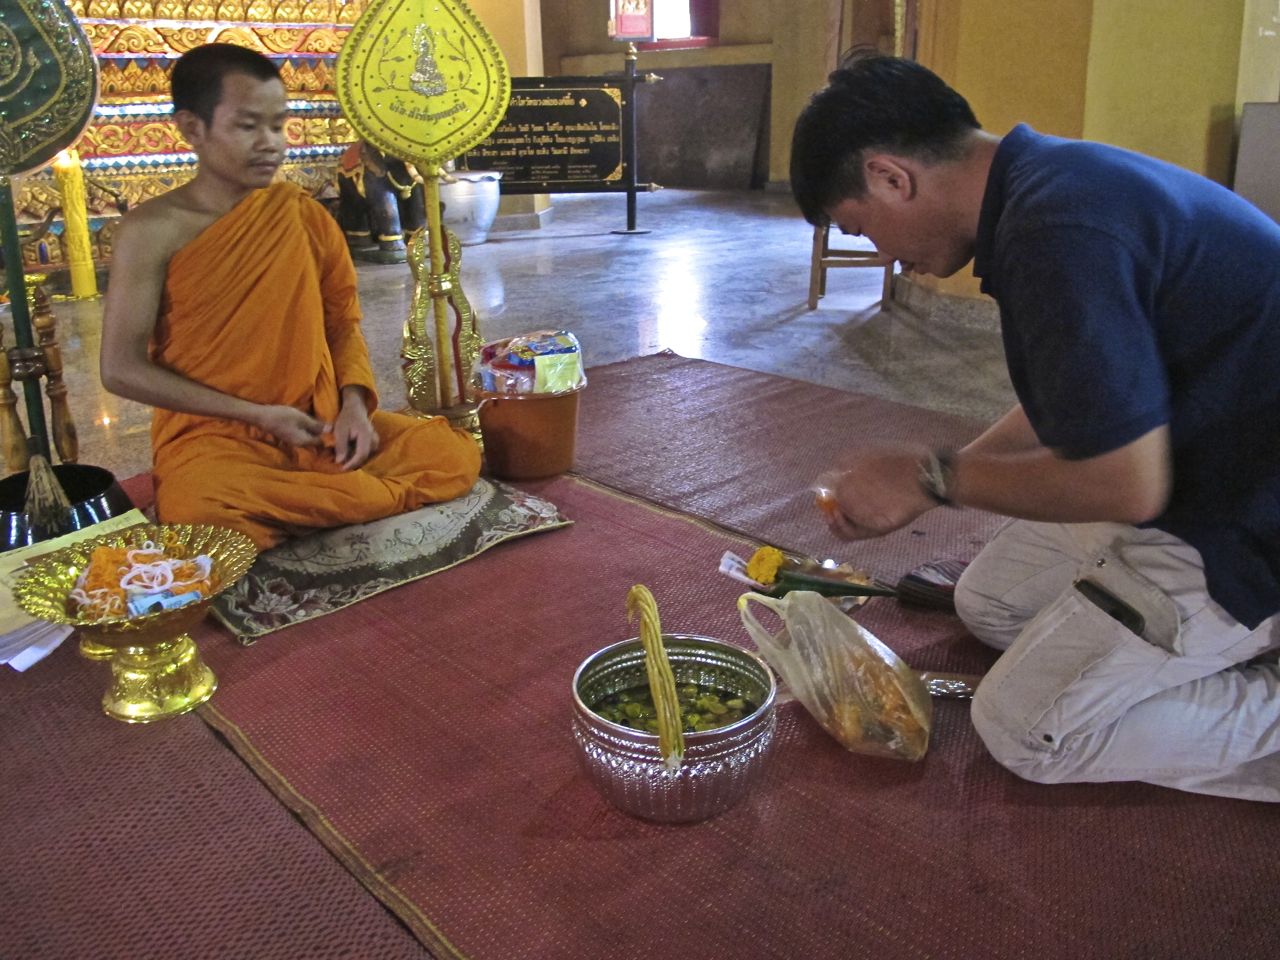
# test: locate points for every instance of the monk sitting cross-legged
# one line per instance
(232, 310)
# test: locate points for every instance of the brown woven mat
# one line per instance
(742, 448)
(424, 736)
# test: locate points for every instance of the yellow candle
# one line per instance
(75, 220)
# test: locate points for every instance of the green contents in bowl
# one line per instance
(701, 708)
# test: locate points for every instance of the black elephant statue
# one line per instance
(380, 199)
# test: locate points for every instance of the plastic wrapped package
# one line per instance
(858, 689)
(545, 361)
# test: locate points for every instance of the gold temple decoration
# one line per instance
(423, 81)
(48, 86)
(69, 176)
(131, 150)
(155, 666)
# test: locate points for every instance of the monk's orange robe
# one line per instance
(262, 305)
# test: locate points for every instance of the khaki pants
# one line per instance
(1189, 703)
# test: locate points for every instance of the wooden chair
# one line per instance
(824, 258)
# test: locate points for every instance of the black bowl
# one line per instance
(94, 496)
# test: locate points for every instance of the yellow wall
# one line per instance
(1013, 62)
(1158, 76)
(747, 21)
(1165, 77)
(516, 26)
(1023, 62)
(1162, 79)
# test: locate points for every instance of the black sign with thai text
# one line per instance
(557, 136)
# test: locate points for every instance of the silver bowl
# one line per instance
(719, 765)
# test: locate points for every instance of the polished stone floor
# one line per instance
(721, 276)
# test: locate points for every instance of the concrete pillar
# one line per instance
(516, 26)
(805, 37)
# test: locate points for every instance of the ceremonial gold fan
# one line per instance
(422, 80)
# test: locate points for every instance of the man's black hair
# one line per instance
(196, 80)
(872, 101)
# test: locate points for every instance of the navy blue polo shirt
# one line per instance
(1132, 294)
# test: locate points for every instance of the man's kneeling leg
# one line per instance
(1117, 682)
(1072, 672)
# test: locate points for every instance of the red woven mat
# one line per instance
(424, 736)
(155, 842)
(742, 448)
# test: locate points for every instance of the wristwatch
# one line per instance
(935, 475)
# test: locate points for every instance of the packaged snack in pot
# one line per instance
(545, 361)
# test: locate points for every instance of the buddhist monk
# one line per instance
(232, 310)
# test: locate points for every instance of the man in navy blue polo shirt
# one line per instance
(1135, 593)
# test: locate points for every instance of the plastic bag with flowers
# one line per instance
(858, 689)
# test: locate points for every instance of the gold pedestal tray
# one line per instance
(156, 668)
(91, 649)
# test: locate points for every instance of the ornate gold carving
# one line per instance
(159, 41)
(120, 139)
(99, 34)
(306, 130)
(322, 40)
(319, 11)
(226, 11)
(132, 78)
(416, 349)
(307, 77)
(279, 39)
(34, 197)
(182, 39)
(467, 330)
(350, 11)
(241, 36)
(135, 39)
(105, 239)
